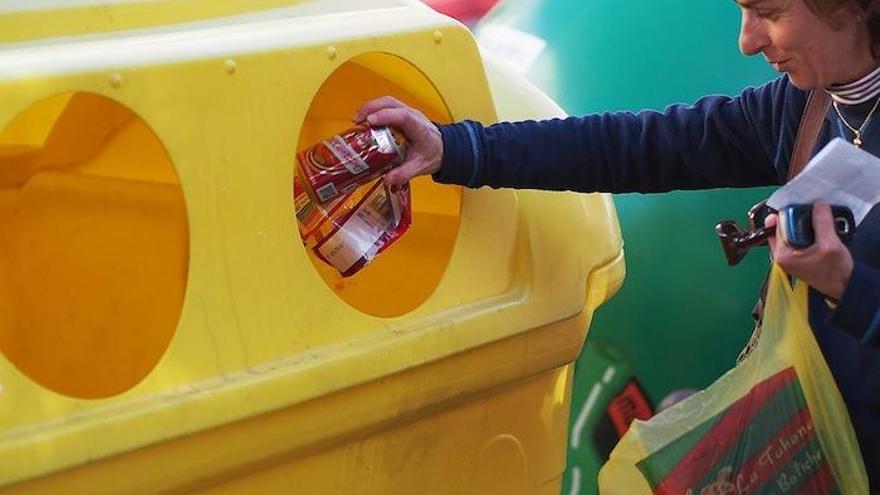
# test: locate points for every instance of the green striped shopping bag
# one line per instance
(775, 424)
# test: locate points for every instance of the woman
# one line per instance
(821, 45)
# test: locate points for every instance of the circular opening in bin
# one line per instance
(94, 251)
(402, 277)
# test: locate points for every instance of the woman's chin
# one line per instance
(801, 82)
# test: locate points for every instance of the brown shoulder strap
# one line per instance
(808, 131)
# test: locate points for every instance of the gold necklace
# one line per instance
(857, 133)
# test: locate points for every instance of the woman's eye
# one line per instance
(766, 14)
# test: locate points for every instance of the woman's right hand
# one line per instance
(424, 150)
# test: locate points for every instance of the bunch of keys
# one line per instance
(795, 226)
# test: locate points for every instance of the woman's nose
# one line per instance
(752, 36)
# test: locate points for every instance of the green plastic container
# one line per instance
(682, 315)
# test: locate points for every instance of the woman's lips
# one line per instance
(779, 64)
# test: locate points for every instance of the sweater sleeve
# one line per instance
(717, 142)
(858, 311)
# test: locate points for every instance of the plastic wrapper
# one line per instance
(359, 232)
(361, 217)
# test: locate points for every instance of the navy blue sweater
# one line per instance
(717, 142)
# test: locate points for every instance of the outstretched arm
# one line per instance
(717, 142)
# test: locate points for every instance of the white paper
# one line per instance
(350, 242)
(840, 174)
(359, 236)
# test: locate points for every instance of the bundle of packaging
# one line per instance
(346, 214)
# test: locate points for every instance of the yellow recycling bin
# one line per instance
(162, 327)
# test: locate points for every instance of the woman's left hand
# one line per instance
(826, 265)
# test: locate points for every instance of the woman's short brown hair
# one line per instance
(836, 10)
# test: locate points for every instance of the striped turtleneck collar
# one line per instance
(858, 91)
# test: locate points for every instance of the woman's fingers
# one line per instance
(771, 220)
(404, 119)
(823, 225)
(424, 148)
(374, 106)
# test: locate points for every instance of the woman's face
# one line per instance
(795, 40)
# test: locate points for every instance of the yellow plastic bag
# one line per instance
(775, 424)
